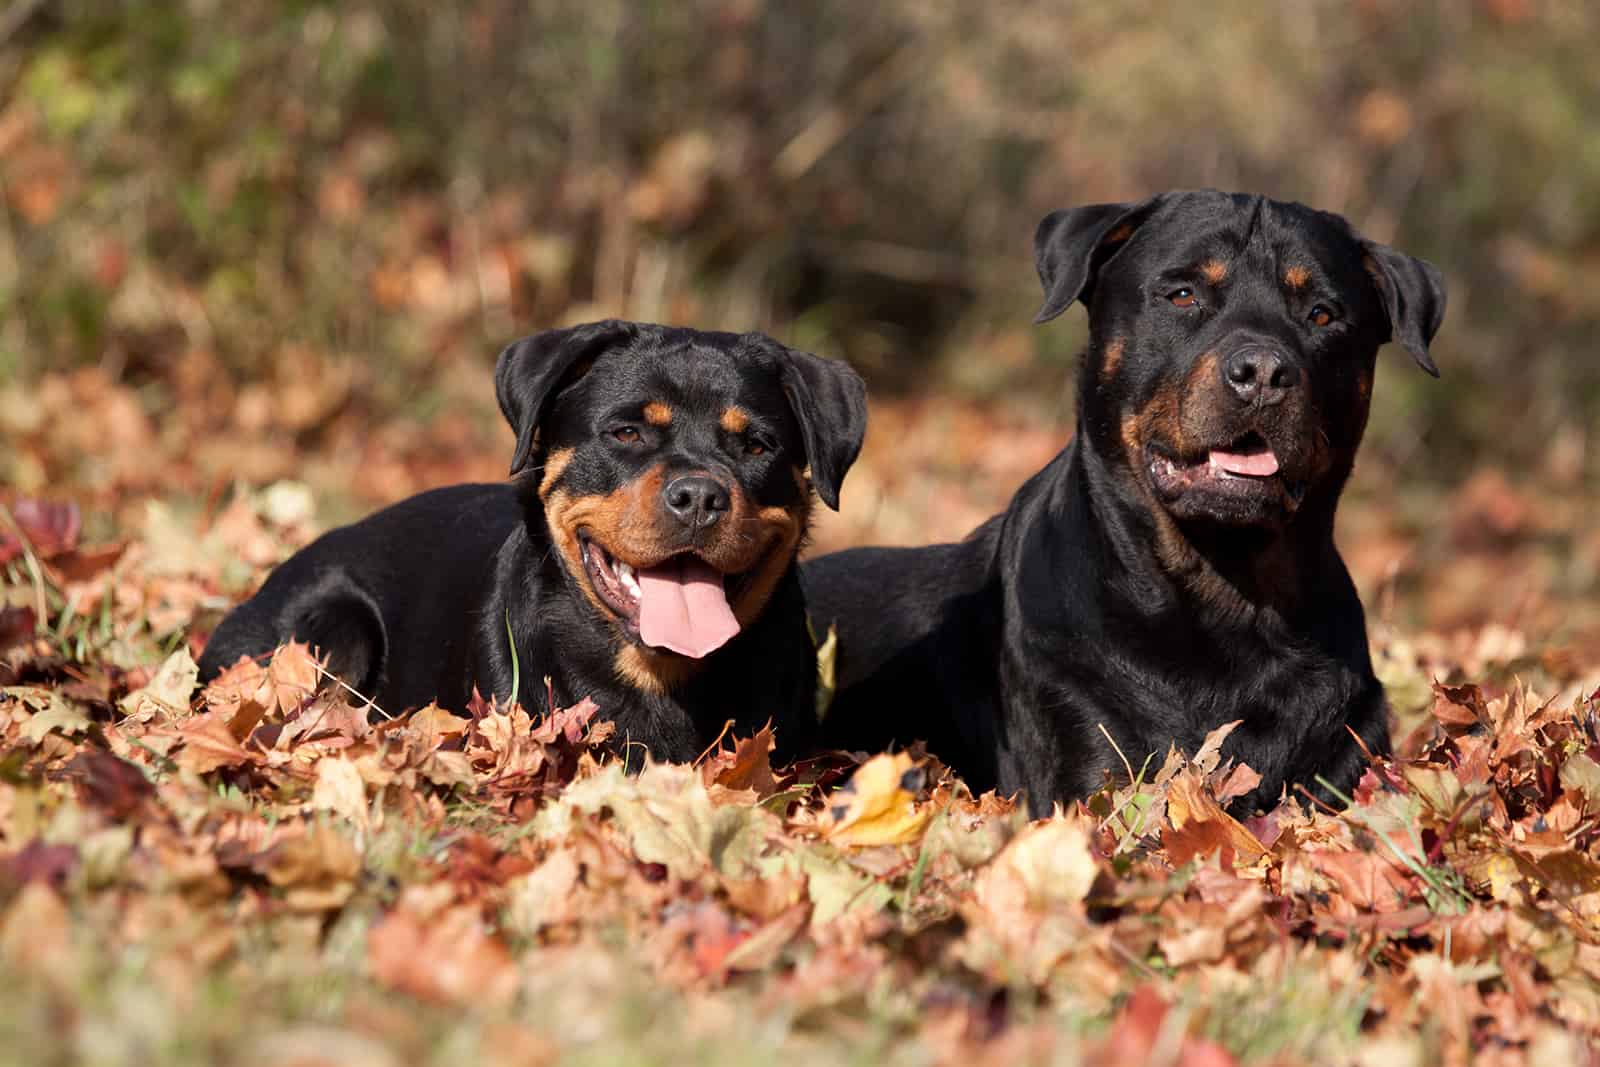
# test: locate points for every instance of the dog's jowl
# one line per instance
(643, 552)
(1173, 569)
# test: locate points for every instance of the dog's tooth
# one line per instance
(629, 580)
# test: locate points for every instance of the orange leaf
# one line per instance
(209, 743)
(293, 675)
(317, 869)
(1366, 881)
(751, 767)
(432, 726)
(447, 958)
(1197, 826)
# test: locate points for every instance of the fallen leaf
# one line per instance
(293, 676)
(432, 726)
(60, 716)
(50, 528)
(1210, 753)
(448, 958)
(1049, 864)
(750, 766)
(167, 694)
(38, 861)
(316, 869)
(1197, 827)
(115, 786)
(209, 744)
(878, 805)
(340, 789)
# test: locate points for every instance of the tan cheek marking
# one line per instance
(1157, 421)
(622, 520)
(735, 419)
(1296, 277)
(658, 413)
(1131, 437)
(1110, 358)
(784, 527)
(1205, 370)
(564, 533)
(619, 520)
(1214, 270)
(555, 464)
(652, 672)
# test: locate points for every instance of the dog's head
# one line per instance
(676, 468)
(1232, 344)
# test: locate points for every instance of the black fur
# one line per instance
(1125, 596)
(424, 600)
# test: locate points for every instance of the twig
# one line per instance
(727, 724)
(1114, 747)
(368, 702)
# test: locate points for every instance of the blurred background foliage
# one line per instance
(294, 221)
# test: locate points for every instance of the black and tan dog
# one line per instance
(1173, 569)
(643, 553)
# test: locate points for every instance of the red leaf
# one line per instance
(50, 528)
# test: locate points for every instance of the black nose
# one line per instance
(696, 500)
(1260, 375)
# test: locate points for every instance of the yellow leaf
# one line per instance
(432, 726)
(339, 789)
(1501, 872)
(1047, 864)
(878, 806)
(827, 661)
(167, 694)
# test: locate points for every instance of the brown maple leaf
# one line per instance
(448, 957)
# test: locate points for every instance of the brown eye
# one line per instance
(1320, 315)
(755, 448)
(1183, 298)
(626, 434)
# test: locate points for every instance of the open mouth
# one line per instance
(682, 604)
(1245, 467)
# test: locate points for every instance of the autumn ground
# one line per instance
(256, 873)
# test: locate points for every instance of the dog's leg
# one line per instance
(334, 615)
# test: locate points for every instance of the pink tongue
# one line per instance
(1254, 464)
(682, 607)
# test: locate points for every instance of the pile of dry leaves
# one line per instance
(266, 871)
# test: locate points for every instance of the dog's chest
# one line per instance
(1294, 696)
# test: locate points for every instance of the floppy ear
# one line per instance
(1070, 246)
(1413, 295)
(530, 371)
(829, 400)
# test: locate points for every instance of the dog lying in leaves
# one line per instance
(643, 553)
(1173, 569)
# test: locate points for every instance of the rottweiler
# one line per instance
(642, 553)
(1173, 568)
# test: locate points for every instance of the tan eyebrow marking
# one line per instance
(1296, 277)
(1112, 356)
(1214, 270)
(735, 419)
(658, 413)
